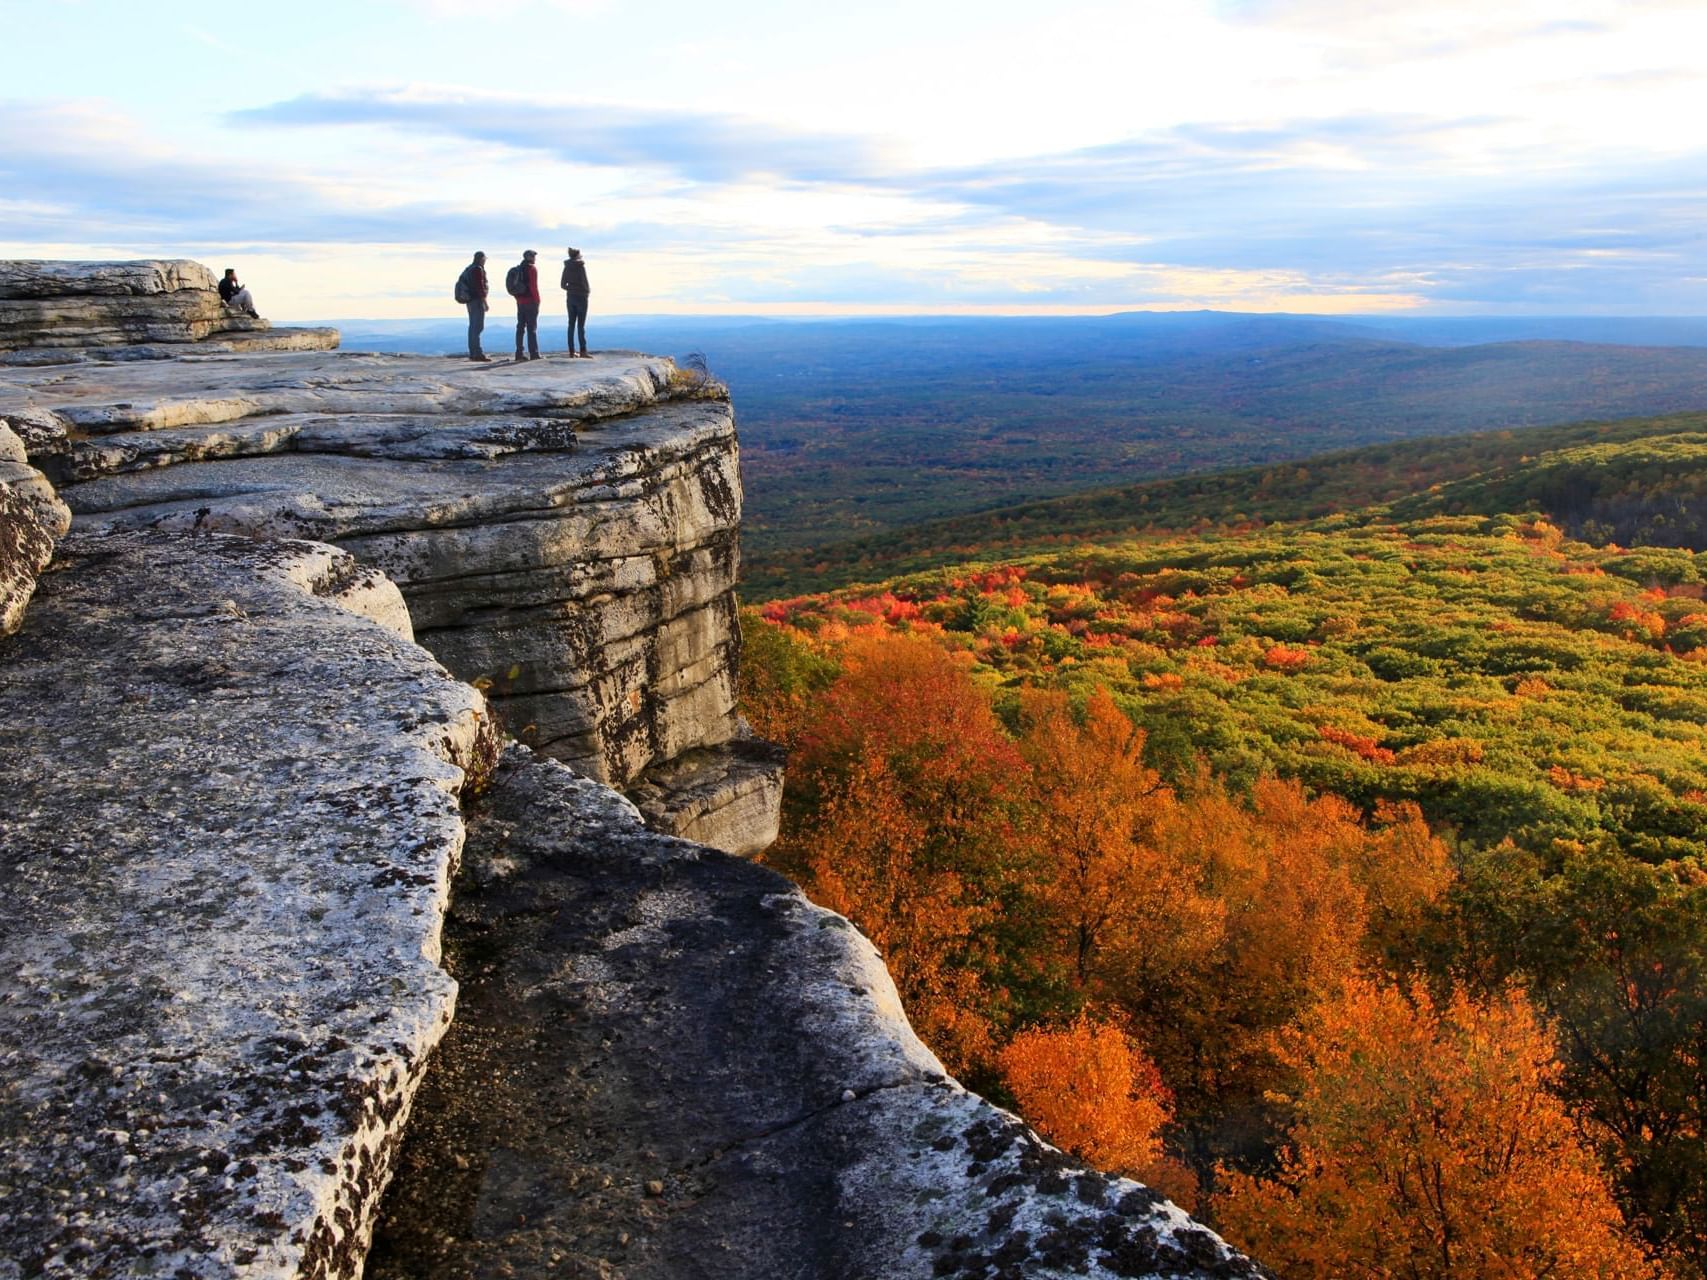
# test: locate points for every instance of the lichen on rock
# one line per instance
(227, 832)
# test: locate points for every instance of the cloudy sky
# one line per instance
(893, 156)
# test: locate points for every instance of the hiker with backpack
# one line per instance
(574, 286)
(522, 284)
(471, 292)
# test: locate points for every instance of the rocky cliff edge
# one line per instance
(237, 795)
(565, 533)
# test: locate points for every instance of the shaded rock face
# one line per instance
(228, 826)
(48, 306)
(32, 519)
(667, 1063)
(565, 532)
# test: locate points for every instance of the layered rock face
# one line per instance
(565, 532)
(134, 306)
(667, 1063)
(228, 824)
(32, 519)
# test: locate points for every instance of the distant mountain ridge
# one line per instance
(1640, 481)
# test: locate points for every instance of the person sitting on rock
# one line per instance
(235, 295)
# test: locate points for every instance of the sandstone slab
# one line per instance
(227, 830)
(48, 278)
(667, 1063)
(728, 797)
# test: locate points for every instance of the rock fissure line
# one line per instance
(787, 1126)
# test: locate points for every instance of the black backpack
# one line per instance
(516, 280)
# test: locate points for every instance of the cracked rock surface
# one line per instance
(667, 1063)
(227, 828)
(565, 532)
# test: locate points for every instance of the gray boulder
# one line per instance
(565, 532)
(47, 306)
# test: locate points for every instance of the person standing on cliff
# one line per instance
(574, 285)
(527, 307)
(233, 294)
(471, 291)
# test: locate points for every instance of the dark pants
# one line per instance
(527, 321)
(476, 325)
(578, 321)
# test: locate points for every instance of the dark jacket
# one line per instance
(228, 288)
(574, 280)
(474, 282)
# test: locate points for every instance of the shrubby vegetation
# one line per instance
(1347, 881)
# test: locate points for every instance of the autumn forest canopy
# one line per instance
(1324, 844)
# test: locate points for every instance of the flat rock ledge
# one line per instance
(565, 531)
(667, 1063)
(228, 823)
(48, 307)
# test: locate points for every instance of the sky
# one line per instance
(896, 156)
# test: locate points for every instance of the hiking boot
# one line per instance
(481, 359)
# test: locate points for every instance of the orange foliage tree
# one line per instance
(902, 787)
(1428, 1144)
(1091, 1091)
(1308, 892)
(1096, 811)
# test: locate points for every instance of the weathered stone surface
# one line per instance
(32, 519)
(728, 797)
(107, 398)
(228, 825)
(564, 532)
(139, 278)
(47, 306)
(667, 1063)
(252, 342)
